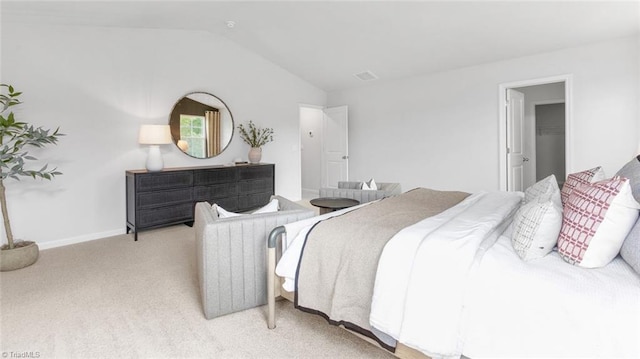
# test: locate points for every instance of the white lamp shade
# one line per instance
(155, 135)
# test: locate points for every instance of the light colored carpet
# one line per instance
(116, 298)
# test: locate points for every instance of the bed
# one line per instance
(449, 283)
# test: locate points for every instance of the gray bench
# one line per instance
(232, 258)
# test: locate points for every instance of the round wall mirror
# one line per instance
(201, 125)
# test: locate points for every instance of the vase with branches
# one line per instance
(15, 138)
(256, 138)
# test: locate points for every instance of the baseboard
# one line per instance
(79, 239)
(308, 193)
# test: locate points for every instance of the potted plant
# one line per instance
(256, 138)
(16, 137)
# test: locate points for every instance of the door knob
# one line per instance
(525, 159)
(345, 157)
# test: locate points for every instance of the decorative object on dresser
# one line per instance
(159, 199)
(201, 125)
(16, 136)
(256, 138)
(154, 136)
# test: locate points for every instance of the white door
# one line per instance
(515, 156)
(335, 149)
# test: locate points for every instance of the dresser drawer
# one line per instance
(218, 175)
(256, 186)
(228, 203)
(163, 198)
(158, 181)
(252, 201)
(255, 172)
(204, 193)
(165, 215)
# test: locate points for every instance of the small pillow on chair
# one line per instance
(223, 213)
(370, 186)
(272, 206)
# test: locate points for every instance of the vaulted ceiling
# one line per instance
(327, 42)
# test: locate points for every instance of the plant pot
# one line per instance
(23, 255)
(255, 154)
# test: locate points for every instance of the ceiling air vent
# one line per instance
(366, 76)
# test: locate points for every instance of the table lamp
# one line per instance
(154, 136)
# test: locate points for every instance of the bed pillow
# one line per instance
(581, 178)
(630, 250)
(272, 206)
(596, 220)
(536, 226)
(545, 188)
(632, 171)
(370, 185)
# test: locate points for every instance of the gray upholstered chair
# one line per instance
(352, 189)
(232, 257)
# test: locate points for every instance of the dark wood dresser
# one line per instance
(158, 199)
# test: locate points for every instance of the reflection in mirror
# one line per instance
(201, 125)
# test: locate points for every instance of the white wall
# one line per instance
(100, 84)
(311, 147)
(441, 130)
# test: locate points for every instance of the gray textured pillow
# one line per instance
(630, 250)
(632, 171)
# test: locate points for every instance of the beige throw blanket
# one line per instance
(336, 274)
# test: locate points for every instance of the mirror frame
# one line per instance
(171, 116)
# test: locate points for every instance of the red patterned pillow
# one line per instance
(596, 219)
(578, 179)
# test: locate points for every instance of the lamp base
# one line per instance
(154, 160)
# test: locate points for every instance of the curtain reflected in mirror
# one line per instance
(201, 125)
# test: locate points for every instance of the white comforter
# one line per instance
(549, 308)
(451, 285)
(423, 273)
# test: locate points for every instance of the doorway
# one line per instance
(310, 149)
(324, 147)
(545, 144)
(550, 141)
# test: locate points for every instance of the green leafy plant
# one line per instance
(15, 138)
(254, 136)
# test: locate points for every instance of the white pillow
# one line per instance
(272, 206)
(536, 226)
(596, 219)
(543, 189)
(580, 178)
(370, 186)
(223, 213)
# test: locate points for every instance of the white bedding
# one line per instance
(549, 308)
(452, 285)
(422, 274)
